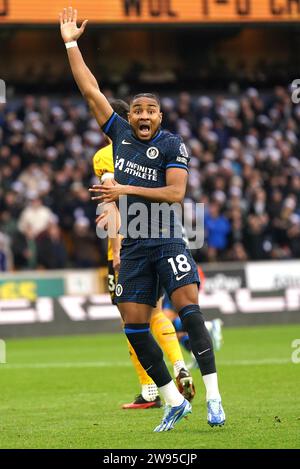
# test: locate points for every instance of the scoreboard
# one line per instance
(127, 12)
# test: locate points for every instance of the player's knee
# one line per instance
(193, 322)
(135, 313)
(190, 313)
(187, 295)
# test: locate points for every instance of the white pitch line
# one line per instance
(6, 366)
(103, 364)
(263, 361)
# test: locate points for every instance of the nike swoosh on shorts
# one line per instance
(181, 276)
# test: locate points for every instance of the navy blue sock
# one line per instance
(148, 353)
(201, 343)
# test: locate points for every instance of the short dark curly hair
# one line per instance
(146, 95)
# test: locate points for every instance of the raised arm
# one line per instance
(84, 78)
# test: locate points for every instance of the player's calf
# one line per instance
(148, 352)
(201, 343)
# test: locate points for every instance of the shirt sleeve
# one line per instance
(103, 161)
(115, 126)
(177, 154)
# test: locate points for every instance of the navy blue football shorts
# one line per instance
(145, 268)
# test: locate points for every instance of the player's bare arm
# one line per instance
(173, 192)
(85, 80)
(114, 237)
(111, 215)
(110, 220)
(116, 249)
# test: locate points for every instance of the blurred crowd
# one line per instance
(245, 168)
(197, 72)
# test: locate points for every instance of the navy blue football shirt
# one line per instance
(144, 164)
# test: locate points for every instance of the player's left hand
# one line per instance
(68, 25)
(109, 193)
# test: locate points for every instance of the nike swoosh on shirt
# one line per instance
(181, 276)
(125, 143)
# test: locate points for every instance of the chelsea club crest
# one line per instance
(152, 153)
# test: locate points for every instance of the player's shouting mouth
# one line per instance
(145, 117)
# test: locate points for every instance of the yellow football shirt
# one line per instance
(103, 163)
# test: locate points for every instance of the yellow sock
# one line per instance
(165, 333)
(142, 375)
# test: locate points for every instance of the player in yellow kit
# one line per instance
(160, 325)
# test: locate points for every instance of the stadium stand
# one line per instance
(245, 167)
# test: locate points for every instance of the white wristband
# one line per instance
(70, 44)
(107, 176)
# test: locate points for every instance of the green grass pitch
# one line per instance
(67, 392)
